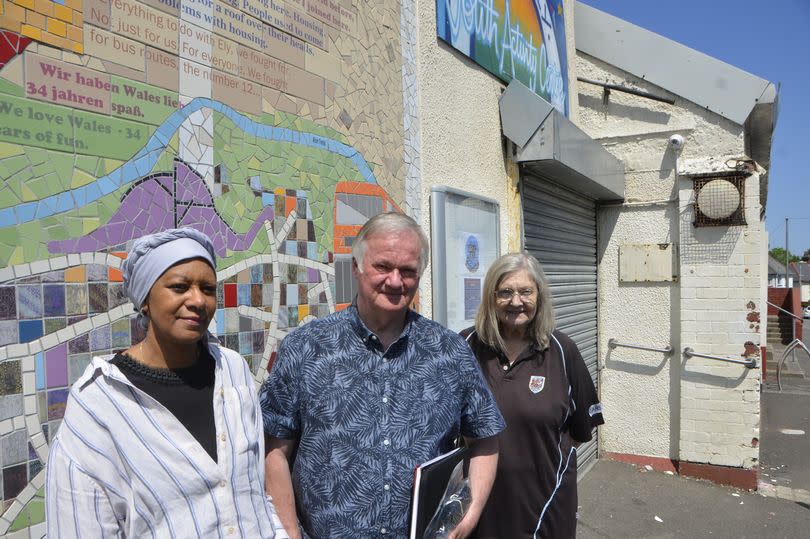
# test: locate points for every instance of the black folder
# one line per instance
(430, 481)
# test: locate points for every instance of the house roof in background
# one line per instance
(802, 269)
(775, 267)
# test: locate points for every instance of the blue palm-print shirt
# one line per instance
(366, 417)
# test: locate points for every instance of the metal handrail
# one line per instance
(797, 343)
(613, 343)
(783, 310)
(750, 363)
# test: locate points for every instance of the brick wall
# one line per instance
(721, 301)
(780, 297)
(788, 299)
(56, 22)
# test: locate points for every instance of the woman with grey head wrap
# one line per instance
(151, 255)
(165, 438)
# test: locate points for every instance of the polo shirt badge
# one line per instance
(537, 383)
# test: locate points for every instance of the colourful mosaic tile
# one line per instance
(243, 294)
(116, 295)
(230, 295)
(257, 273)
(30, 330)
(120, 334)
(9, 332)
(245, 343)
(54, 324)
(256, 295)
(77, 365)
(8, 305)
(53, 277)
(96, 272)
(80, 344)
(75, 275)
(14, 447)
(231, 321)
(97, 296)
(38, 515)
(56, 366)
(292, 313)
(267, 295)
(245, 323)
(258, 341)
(54, 299)
(76, 299)
(100, 339)
(14, 480)
(29, 301)
(10, 406)
(39, 361)
(42, 406)
(57, 399)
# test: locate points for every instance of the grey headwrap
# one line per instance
(152, 255)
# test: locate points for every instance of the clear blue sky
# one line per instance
(771, 40)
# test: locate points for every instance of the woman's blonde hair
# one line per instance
(486, 321)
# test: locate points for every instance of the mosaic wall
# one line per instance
(275, 126)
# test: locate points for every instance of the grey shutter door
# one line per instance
(559, 229)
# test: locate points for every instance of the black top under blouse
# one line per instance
(188, 393)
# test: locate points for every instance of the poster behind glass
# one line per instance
(465, 244)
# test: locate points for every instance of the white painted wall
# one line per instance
(461, 141)
(654, 405)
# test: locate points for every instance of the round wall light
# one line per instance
(718, 199)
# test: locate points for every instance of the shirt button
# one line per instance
(386, 442)
(230, 530)
(221, 392)
(222, 483)
(222, 437)
(386, 487)
(506, 367)
(385, 400)
(383, 531)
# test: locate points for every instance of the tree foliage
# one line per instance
(779, 254)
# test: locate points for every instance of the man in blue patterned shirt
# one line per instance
(356, 400)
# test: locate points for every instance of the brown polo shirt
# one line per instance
(549, 401)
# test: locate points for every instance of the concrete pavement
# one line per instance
(618, 500)
(785, 432)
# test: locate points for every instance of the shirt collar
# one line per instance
(365, 334)
(532, 350)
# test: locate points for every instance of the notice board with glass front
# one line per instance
(465, 241)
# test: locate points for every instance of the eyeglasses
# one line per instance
(506, 294)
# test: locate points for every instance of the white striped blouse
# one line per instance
(121, 465)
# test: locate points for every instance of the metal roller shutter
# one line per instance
(559, 229)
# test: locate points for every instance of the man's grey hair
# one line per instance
(486, 321)
(386, 223)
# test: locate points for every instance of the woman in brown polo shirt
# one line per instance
(546, 395)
